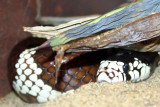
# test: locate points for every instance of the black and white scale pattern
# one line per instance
(27, 80)
(116, 71)
(128, 66)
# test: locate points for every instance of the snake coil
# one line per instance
(32, 73)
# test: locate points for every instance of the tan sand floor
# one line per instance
(143, 94)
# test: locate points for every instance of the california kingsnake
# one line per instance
(33, 72)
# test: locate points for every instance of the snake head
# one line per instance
(112, 71)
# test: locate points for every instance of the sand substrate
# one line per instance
(143, 94)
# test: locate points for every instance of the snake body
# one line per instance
(33, 72)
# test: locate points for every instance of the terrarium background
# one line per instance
(18, 13)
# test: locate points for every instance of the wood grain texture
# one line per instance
(14, 15)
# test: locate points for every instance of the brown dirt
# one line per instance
(143, 94)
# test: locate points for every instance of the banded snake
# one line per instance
(32, 72)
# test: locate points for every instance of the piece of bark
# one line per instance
(111, 20)
(152, 45)
(140, 30)
(48, 31)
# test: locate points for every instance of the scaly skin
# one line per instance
(32, 73)
(35, 71)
